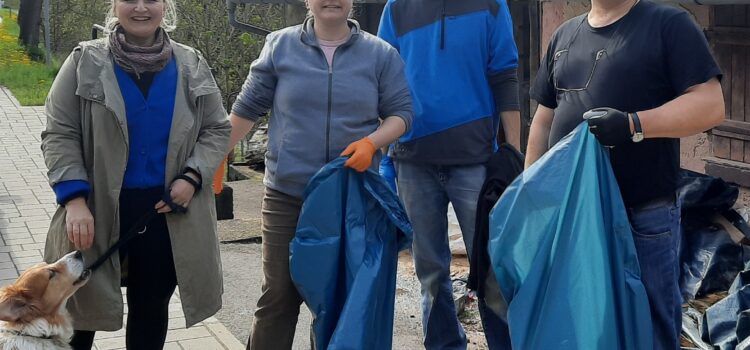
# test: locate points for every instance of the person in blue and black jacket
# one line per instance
(461, 65)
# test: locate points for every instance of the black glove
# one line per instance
(610, 126)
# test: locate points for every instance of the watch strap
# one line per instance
(636, 123)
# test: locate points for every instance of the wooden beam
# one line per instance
(730, 135)
(734, 37)
(734, 126)
(730, 171)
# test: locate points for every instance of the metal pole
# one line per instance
(47, 43)
(232, 9)
(95, 29)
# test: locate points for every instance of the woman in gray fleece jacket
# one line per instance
(333, 90)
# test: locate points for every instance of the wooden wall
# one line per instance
(729, 35)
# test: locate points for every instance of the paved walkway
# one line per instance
(26, 206)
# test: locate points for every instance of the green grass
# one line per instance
(29, 84)
(28, 80)
(10, 24)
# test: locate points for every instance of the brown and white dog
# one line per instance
(32, 310)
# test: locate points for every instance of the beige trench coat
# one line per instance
(86, 138)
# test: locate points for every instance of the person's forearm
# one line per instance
(538, 135)
(390, 130)
(512, 127)
(537, 145)
(240, 128)
(699, 109)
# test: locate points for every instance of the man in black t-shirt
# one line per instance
(646, 76)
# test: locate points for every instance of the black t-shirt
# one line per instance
(647, 58)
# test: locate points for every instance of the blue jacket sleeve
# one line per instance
(386, 30)
(256, 97)
(503, 61)
(67, 190)
(503, 51)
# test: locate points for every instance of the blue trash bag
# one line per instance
(703, 193)
(344, 257)
(692, 323)
(710, 260)
(388, 171)
(563, 253)
(726, 324)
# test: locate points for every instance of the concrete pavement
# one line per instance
(26, 206)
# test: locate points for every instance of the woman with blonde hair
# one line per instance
(135, 124)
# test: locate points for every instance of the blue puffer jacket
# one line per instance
(344, 255)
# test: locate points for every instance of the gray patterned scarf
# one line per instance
(139, 59)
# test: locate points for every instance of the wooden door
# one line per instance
(729, 35)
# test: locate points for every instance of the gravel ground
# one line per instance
(242, 281)
(241, 259)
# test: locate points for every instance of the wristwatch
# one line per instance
(638, 132)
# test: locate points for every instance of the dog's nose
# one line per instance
(78, 255)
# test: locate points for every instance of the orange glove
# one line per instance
(361, 154)
(218, 181)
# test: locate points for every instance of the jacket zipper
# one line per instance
(330, 107)
(330, 95)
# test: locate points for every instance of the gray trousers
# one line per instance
(279, 304)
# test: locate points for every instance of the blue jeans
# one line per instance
(426, 190)
(657, 235)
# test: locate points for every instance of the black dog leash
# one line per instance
(134, 230)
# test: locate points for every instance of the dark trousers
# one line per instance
(151, 278)
(279, 304)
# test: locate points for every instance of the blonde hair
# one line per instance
(168, 22)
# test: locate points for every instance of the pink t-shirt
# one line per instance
(329, 47)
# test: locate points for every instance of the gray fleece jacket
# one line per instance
(317, 110)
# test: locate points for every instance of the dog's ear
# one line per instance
(13, 308)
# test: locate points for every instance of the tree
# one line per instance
(204, 25)
(201, 24)
(73, 20)
(29, 21)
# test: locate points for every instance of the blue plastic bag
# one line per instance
(388, 172)
(563, 253)
(344, 256)
(726, 324)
